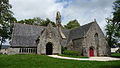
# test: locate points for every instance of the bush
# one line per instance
(63, 49)
(72, 53)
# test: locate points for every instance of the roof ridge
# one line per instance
(83, 25)
(88, 23)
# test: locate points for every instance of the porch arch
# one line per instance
(49, 48)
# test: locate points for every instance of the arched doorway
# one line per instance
(91, 52)
(49, 48)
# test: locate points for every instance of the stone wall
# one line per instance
(13, 51)
(49, 35)
(102, 49)
(22, 50)
(88, 41)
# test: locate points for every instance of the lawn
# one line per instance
(117, 55)
(41, 61)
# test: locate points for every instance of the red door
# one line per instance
(91, 52)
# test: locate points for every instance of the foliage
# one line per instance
(113, 25)
(116, 18)
(41, 61)
(116, 13)
(46, 22)
(72, 24)
(63, 49)
(72, 53)
(37, 21)
(6, 20)
(117, 55)
(27, 21)
(110, 33)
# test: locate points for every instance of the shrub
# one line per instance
(63, 49)
(72, 53)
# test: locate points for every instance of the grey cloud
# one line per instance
(83, 10)
(87, 11)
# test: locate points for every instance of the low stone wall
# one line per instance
(3, 51)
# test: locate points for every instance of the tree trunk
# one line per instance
(1, 43)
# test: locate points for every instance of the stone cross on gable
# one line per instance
(58, 19)
(58, 24)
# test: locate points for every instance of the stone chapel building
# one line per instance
(88, 39)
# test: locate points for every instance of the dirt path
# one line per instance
(90, 59)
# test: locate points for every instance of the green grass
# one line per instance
(73, 56)
(117, 55)
(41, 61)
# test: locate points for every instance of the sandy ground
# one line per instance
(89, 59)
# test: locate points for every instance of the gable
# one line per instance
(95, 28)
(50, 32)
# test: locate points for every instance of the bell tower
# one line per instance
(58, 19)
(58, 24)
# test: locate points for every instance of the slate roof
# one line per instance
(25, 35)
(79, 32)
(66, 33)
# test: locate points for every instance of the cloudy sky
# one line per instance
(84, 11)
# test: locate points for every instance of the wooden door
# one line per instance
(91, 52)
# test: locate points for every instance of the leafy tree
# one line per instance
(113, 25)
(110, 32)
(27, 21)
(72, 24)
(116, 13)
(37, 21)
(116, 18)
(47, 21)
(6, 18)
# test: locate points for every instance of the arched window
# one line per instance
(97, 43)
(96, 39)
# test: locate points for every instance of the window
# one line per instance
(96, 39)
(28, 50)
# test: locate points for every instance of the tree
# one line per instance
(47, 21)
(43, 22)
(37, 21)
(113, 25)
(27, 21)
(116, 12)
(110, 32)
(6, 18)
(72, 24)
(116, 18)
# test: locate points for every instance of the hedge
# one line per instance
(72, 53)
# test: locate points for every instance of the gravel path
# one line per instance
(90, 59)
